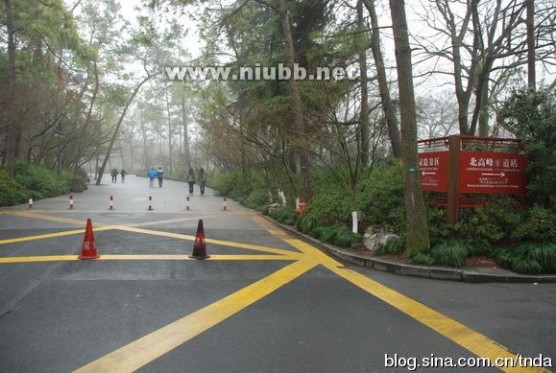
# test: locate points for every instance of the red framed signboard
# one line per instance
(433, 169)
(492, 173)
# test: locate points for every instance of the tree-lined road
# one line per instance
(263, 302)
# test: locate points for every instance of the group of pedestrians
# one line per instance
(114, 173)
(201, 180)
(158, 174)
(190, 179)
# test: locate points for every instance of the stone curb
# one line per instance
(439, 273)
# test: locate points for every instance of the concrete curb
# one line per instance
(439, 273)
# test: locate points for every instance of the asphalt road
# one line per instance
(263, 302)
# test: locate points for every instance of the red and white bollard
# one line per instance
(225, 204)
(150, 203)
(187, 206)
(30, 202)
(71, 201)
(111, 207)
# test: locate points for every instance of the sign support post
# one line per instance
(454, 147)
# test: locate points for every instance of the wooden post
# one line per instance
(454, 147)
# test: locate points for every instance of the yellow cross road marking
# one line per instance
(36, 215)
(269, 250)
(467, 338)
(50, 235)
(61, 258)
(146, 349)
(150, 347)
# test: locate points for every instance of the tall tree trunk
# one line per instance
(301, 142)
(13, 130)
(364, 115)
(387, 104)
(170, 134)
(185, 135)
(531, 70)
(417, 231)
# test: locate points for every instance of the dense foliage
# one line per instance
(37, 182)
(518, 236)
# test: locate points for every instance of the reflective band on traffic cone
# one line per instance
(89, 250)
(200, 246)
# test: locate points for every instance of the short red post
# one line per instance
(30, 202)
(150, 203)
(71, 201)
(111, 203)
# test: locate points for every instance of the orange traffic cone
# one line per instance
(89, 250)
(200, 247)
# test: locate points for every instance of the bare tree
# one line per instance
(483, 41)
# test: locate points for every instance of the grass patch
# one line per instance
(529, 258)
(392, 246)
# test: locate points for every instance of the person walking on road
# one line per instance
(123, 173)
(151, 174)
(202, 181)
(114, 174)
(160, 176)
(190, 179)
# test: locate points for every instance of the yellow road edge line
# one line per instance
(59, 258)
(457, 332)
(150, 347)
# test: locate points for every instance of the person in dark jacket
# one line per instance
(160, 176)
(202, 181)
(190, 179)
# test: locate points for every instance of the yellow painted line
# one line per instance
(152, 346)
(177, 220)
(239, 245)
(31, 259)
(40, 216)
(51, 235)
(59, 258)
(464, 336)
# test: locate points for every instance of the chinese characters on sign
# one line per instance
(479, 172)
(492, 173)
(433, 167)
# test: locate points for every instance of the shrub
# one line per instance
(538, 225)
(439, 227)
(10, 191)
(344, 237)
(529, 258)
(284, 215)
(492, 224)
(330, 209)
(41, 182)
(452, 253)
(233, 184)
(381, 198)
(307, 224)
